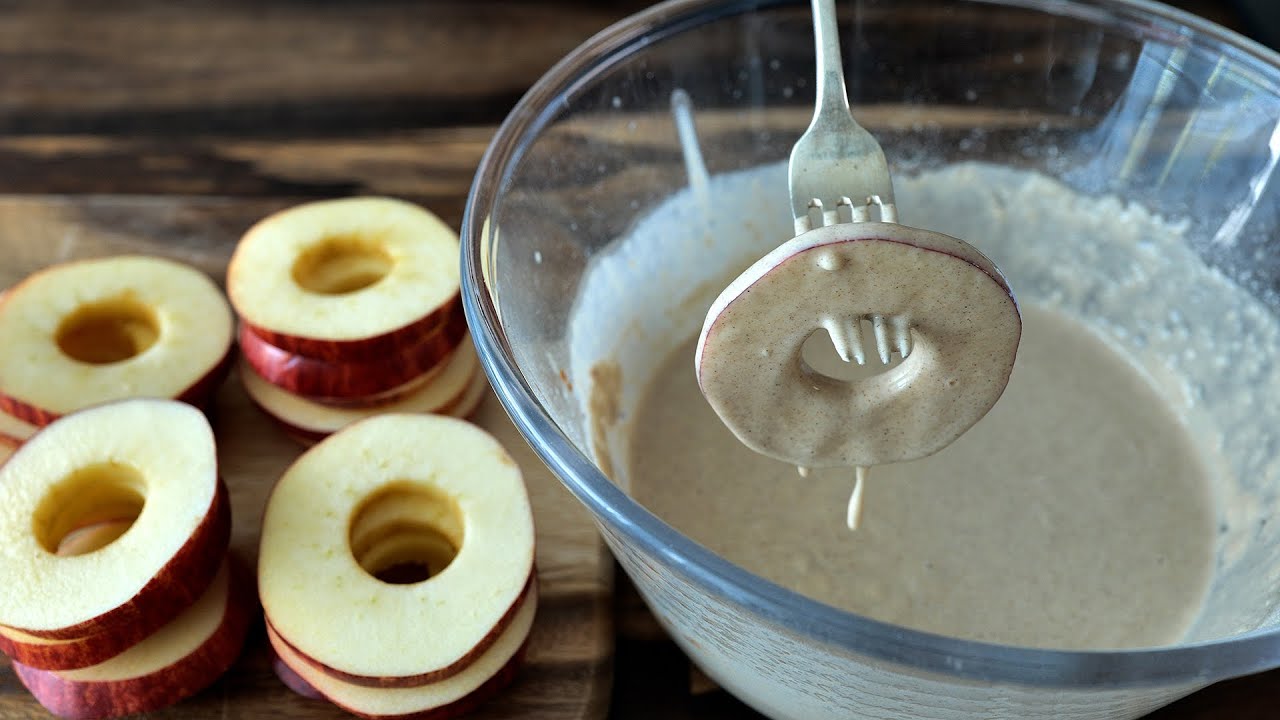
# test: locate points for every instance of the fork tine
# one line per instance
(902, 336)
(882, 338)
(846, 335)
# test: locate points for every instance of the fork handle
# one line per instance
(832, 96)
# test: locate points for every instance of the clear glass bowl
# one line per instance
(1121, 97)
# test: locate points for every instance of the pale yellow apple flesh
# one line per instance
(396, 487)
(316, 419)
(13, 431)
(345, 279)
(146, 459)
(93, 331)
(446, 698)
(175, 662)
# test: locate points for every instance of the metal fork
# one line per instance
(834, 161)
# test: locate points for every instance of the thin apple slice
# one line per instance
(354, 279)
(466, 405)
(152, 460)
(328, 381)
(448, 698)
(46, 654)
(179, 660)
(964, 333)
(95, 536)
(313, 421)
(92, 331)
(318, 596)
(14, 432)
(291, 679)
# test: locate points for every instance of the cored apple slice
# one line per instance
(964, 329)
(92, 331)
(149, 460)
(45, 654)
(14, 432)
(325, 380)
(355, 279)
(448, 698)
(177, 661)
(458, 588)
(313, 421)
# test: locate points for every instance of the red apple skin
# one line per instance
(410, 681)
(324, 380)
(173, 589)
(177, 682)
(375, 347)
(200, 394)
(73, 654)
(462, 706)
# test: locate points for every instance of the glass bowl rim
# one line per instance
(1191, 663)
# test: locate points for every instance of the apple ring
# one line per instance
(150, 460)
(965, 328)
(326, 380)
(362, 483)
(314, 421)
(177, 661)
(350, 279)
(93, 331)
(451, 697)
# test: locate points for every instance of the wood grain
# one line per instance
(278, 68)
(568, 671)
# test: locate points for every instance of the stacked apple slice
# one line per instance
(120, 597)
(396, 569)
(349, 308)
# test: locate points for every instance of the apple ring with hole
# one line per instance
(450, 578)
(179, 660)
(332, 381)
(150, 461)
(964, 328)
(456, 695)
(92, 331)
(43, 654)
(353, 279)
(313, 421)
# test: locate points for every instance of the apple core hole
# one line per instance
(342, 264)
(108, 331)
(406, 533)
(89, 509)
(818, 356)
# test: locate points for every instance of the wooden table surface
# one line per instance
(299, 99)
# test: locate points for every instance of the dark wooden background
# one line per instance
(294, 99)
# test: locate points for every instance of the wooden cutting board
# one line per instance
(568, 672)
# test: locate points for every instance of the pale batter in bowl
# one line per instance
(1081, 513)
